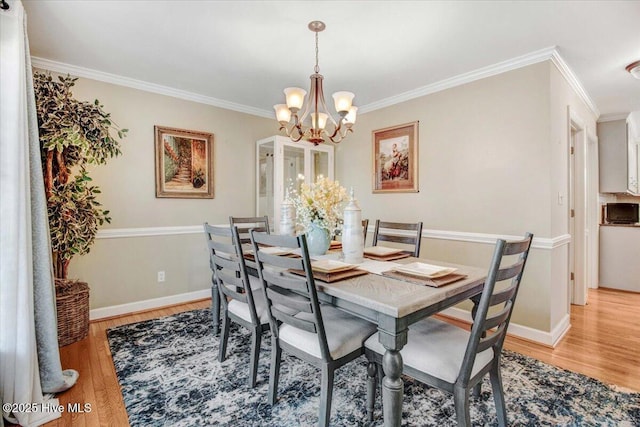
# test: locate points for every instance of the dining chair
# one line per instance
(454, 359)
(244, 224)
(365, 227)
(388, 232)
(239, 302)
(321, 335)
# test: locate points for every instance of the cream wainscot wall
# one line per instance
(149, 234)
(492, 159)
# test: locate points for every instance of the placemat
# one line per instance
(435, 282)
(391, 257)
(251, 257)
(333, 277)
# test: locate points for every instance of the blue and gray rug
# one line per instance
(170, 376)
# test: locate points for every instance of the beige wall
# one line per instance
(483, 168)
(124, 270)
(492, 159)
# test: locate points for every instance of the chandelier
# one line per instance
(315, 130)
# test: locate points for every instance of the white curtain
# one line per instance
(21, 238)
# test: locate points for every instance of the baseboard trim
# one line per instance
(460, 236)
(150, 304)
(549, 339)
(560, 330)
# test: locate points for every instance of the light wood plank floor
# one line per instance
(603, 342)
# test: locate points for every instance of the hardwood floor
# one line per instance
(603, 343)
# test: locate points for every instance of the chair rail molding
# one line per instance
(546, 243)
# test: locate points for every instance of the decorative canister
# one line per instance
(352, 236)
(287, 216)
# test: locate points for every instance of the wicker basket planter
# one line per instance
(72, 305)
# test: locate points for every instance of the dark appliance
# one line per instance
(622, 213)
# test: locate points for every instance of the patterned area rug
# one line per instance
(170, 376)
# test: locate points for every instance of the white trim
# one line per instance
(612, 117)
(546, 338)
(573, 81)
(60, 67)
(461, 236)
(119, 233)
(150, 304)
(538, 242)
(560, 330)
(550, 53)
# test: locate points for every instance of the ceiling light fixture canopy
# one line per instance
(634, 69)
(315, 108)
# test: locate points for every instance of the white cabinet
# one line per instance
(619, 249)
(618, 153)
(281, 164)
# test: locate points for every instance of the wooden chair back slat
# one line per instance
(282, 279)
(289, 299)
(516, 247)
(498, 318)
(284, 262)
(384, 231)
(503, 295)
(283, 317)
(510, 272)
(245, 224)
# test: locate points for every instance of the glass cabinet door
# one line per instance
(292, 168)
(319, 165)
(265, 181)
(283, 164)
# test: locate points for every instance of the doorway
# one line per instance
(583, 210)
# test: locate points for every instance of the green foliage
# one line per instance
(73, 134)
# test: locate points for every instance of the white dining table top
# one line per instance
(395, 297)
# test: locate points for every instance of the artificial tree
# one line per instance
(73, 134)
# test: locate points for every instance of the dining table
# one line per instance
(393, 304)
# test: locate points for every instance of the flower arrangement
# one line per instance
(320, 203)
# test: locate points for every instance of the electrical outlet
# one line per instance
(160, 276)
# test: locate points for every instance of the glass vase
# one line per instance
(318, 240)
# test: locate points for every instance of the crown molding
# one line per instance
(612, 117)
(550, 53)
(573, 81)
(60, 67)
(547, 54)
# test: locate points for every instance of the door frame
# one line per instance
(583, 187)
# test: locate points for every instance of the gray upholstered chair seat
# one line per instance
(345, 333)
(241, 309)
(435, 348)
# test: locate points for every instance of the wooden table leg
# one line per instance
(392, 388)
(393, 336)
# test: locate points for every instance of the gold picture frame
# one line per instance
(395, 159)
(184, 163)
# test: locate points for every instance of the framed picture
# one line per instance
(395, 159)
(184, 163)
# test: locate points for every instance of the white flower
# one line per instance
(320, 203)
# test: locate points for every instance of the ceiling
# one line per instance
(245, 52)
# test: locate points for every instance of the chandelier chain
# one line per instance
(316, 68)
